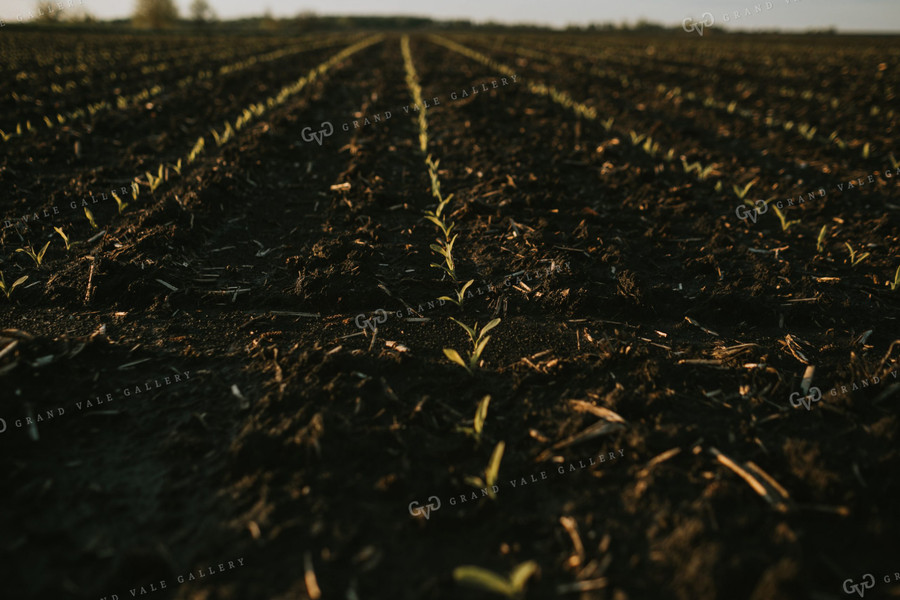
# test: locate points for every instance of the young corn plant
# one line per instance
(8, 290)
(155, 182)
(478, 421)
(119, 202)
(785, 224)
(854, 259)
(479, 341)
(690, 167)
(490, 473)
(460, 295)
(37, 257)
(196, 150)
(512, 587)
(894, 162)
(896, 283)
(90, 217)
(64, 237)
(820, 241)
(445, 249)
(434, 217)
(741, 193)
(807, 131)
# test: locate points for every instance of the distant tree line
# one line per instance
(163, 14)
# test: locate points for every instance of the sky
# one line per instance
(788, 15)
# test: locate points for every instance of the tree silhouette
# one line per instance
(155, 14)
(202, 12)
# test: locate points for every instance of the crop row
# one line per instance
(764, 85)
(51, 121)
(169, 172)
(645, 143)
(678, 95)
(70, 53)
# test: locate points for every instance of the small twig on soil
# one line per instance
(312, 586)
(168, 285)
(599, 411)
(595, 430)
(131, 364)
(581, 586)
(87, 293)
(572, 529)
(696, 324)
(759, 480)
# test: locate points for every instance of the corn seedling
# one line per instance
(636, 138)
(651, 147)
(445, 249)
(820, 241)
(122, 205)
(806, 131)
(742, 192)
(135, 190)
(865, 150)
(894, 162)
(434, 217)
(479, 341)
(9, 290)
(689, 167)
(512, 587)
(704, 172)
(896, 282)
(785, 224)
(90, 217)
(478, 421)
(607, 124)
(490, 473)
(196, 150)
(177, 167)
(837, 141)
(64, 237)
(155, 182)
(460, 295)
(854, 259)
(37, 257)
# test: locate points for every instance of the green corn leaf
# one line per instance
(493, 469)
(479, 348)
(455, 357)
(489, 326)
(484, 579)
(468, 329)
(40, 256)
(481, 413)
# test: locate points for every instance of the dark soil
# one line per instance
(297, 445)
